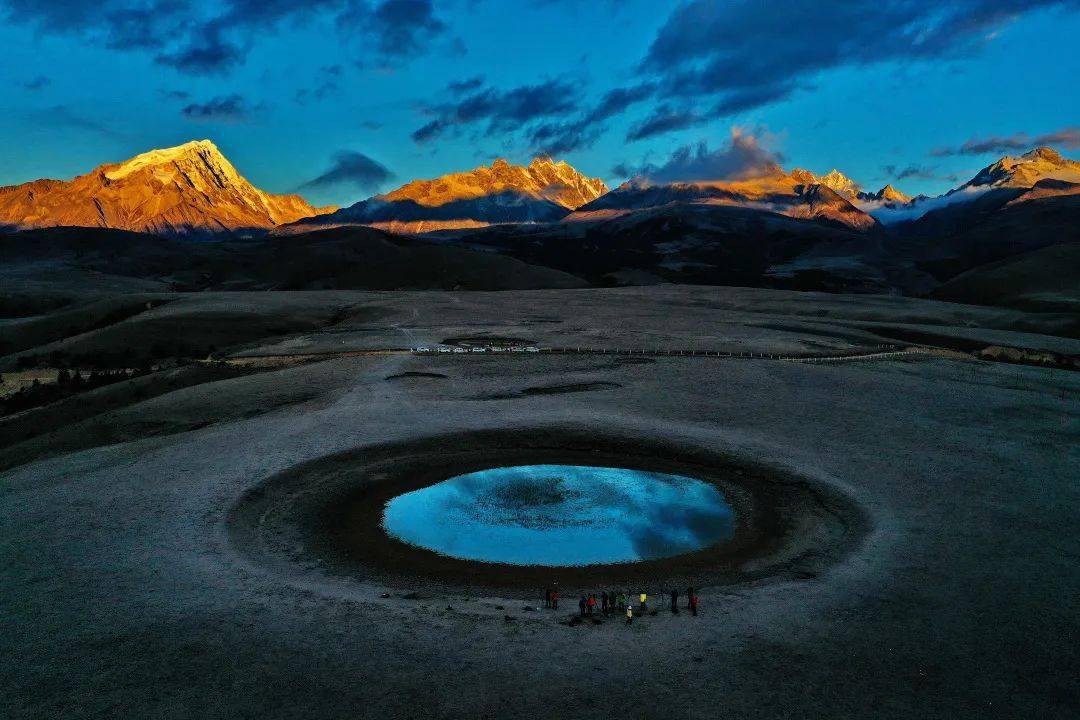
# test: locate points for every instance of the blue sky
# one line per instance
(342, 98)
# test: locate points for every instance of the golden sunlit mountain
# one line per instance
(798, 194)
(841, 183)
(887, 194)
(183, 190)
(1042, 163)
(542, 191)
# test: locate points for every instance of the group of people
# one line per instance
(617, 602)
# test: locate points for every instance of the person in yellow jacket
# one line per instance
(644, 598)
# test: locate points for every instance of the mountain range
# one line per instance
(193, 189)
(543, 191)
(797, 194)
(551, 224)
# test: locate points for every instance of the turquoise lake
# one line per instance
(561, 515)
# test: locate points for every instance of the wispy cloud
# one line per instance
(919, 172)
(562, 136)
(325, 84)
(62, 116)
(349, 167)
(664, 119)
(212, 38)
(224, 109)
(1068, 138)
(495, 110)
(459, 87)
(37, 83)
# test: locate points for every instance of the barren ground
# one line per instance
(124, 592)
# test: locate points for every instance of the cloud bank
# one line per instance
(744, 157)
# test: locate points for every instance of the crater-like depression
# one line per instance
(521, 508)
(562, 515)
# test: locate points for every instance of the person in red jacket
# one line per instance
(693, 602)
(555, 598)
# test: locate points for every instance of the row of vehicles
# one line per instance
(440, 349)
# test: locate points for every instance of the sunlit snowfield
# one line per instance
(561, 515)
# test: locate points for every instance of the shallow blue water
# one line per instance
(561, 515)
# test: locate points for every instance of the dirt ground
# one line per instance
(125, 593)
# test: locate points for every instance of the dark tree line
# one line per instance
(68, 382)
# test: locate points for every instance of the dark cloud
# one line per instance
(500, 110)
(352, 168)
(741, 56)
(225, 108)
(746, 55)
(1068, 138)
(61, 116)
(401, 26)
(207, 54)
(919, 172)
(718, 47)
(132, 25)
(556, 138)
(206, 39)
(37, 83)
(617, 100)
(461, 87)
(666, 118)
(662, 120)
(743, 158)
(325, 85)
(742, 100)
(177, 95)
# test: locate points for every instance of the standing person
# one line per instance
(689, 594)
(592, 603)
(693, 604)
(629, 614)
(603, 602)
(555, 597)
(674, 601)
(583, 604)
(547, 596)
(644, 599)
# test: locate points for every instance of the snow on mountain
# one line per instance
(542, 191)
(183, 190)
(1044, 167)
(841, 183)
(1042, 163)
(797, 194)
